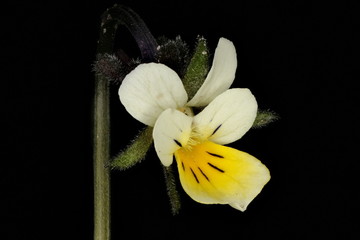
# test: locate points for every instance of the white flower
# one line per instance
(152, 88)
(209, 172)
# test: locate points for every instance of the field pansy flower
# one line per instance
(210, 173)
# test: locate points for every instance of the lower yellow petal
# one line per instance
(211, 173)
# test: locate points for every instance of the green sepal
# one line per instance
(197, 69)
(135, 152)
(264, 117)
(173, 194)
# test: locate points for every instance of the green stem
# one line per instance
(101, 139)
(173, 194)
(101, 158)
(111, 19)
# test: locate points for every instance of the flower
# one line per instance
(151, 88)
(210, 172)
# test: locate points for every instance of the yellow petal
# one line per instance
(211, 173)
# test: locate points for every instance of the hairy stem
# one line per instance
(111, 19)
(101, 157)
(101, 136)
(101, 154)
(173, 194)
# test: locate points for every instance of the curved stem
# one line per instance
(122, 15)
(111, 19)
(101, 136)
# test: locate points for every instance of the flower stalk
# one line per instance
(111, 19)
(173, 194)
(101, 157)
(101, 141)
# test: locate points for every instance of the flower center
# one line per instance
(195, 139)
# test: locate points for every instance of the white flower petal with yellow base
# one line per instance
(211, 173)
(150, 89)
(220, 76)
(171, 131)
(228, 117)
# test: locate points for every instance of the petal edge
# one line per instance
(220, 76)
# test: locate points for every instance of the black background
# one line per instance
(296, 57)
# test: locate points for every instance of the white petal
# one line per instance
(171, 131)
(228, 117)
(150, 89)
(220, 76)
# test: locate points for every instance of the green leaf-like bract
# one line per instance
(264, 117)
(135, 152)
(197, 69)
